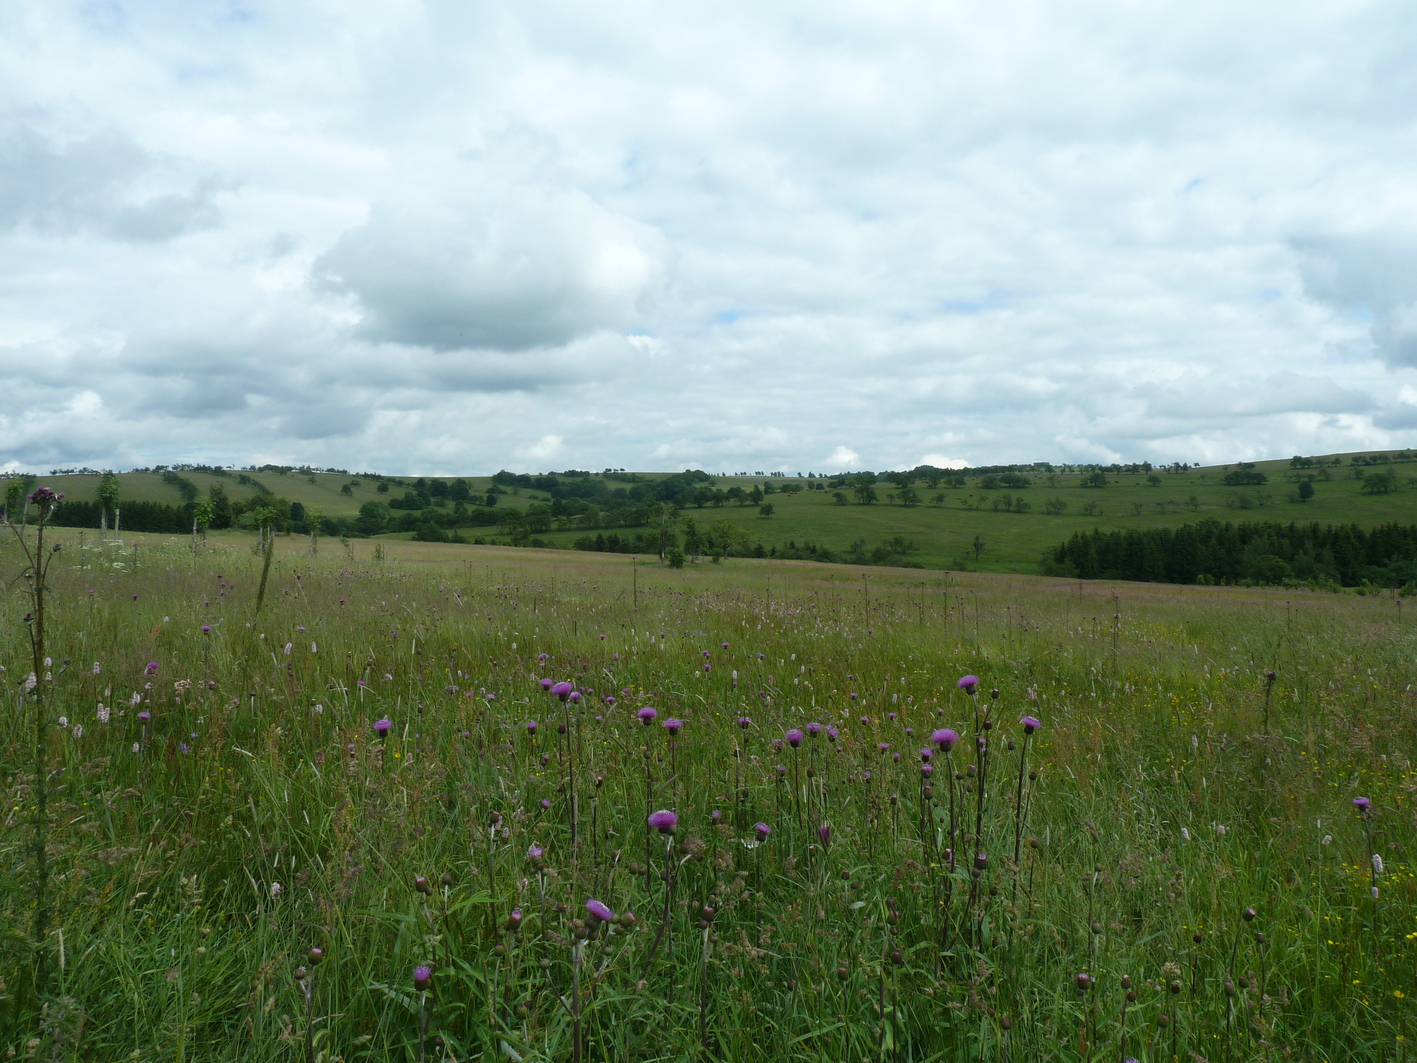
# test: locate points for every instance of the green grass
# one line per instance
(169, 941)
(943, 534)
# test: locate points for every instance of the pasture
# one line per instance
(198, 793)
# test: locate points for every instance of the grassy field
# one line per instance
(943, 532)
(1171, 867)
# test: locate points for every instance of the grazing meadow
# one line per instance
(403, 801)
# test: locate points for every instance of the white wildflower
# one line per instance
(49, 662)
(276, 890)
(97, 668)
(1185, 834)
(1327, 839)
(78, 730)
(136, 747)
(103, 712)
(31, 682)
(136, 699)
(319, 709)
(1377, 863)
(1220, 828)
(287, 649)
(313, 648)
(1375, 893)
(64, 722)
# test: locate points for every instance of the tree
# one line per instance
(1154, 480)
(223, 513)
(1096, 478)
(765, 509)
(863, 487)
(907, 496)
(202, 516)
(1306, 490)
(978, 546)
(840, 497)
(108, 491)
(755, 496)
(383, 487)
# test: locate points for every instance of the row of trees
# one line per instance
(1264, 553)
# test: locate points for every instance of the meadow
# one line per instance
(355, 817)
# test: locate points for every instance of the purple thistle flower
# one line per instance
(382, 727)
(1362, 803)
(151, 669)
(422, 975)
(824, 832)
(535, 853)
(926, 754)
(664, 821)
(1030, 724)
(546, 803)
(763, 830)
(744, 722)
(562, 690)
(927, 770)
(794, 738)
(206, 629)
(832, 733)
(717, 815)
(146, 716)
(609, 699)
(945, 737)
(725, 645)
(673, 725)
(531, 726)
(968, 683)
(883, 746)
(646, 715)
(574, 696)
(547, 684)
(598, 911)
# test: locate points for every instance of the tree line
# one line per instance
(1265, 553)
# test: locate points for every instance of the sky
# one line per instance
(418, 236)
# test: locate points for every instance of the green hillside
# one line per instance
(935, 525)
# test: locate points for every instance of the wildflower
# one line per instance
(97, 668)
(145, 716)
(63, 721)
(968, 683)
(664, 821)
(1377, 863)
(531, 726)
(598, 912)
(422, 976)
(824, 832)
(1327, 838)
(945, 737)
(547, 684)
(78, 730)
(672, 725)
(546, 803)
(744, 722)
(794, 738)
(573, 697)
(1084, 981)
(151, 668)
(814, 729)
(276, 890)
(382, 727)
(762, 830)
(562, 690)
(1362, 803)
(832, 733)
(646, 715)
(1185, 834)
(1030, 724)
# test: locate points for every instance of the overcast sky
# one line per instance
(438, 237)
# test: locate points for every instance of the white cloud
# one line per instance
(544, 449)
(942, 461)
(413, 237)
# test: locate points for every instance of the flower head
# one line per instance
(531, 726)
(762, 830)
(646, 714)
(422, 976)
(824, 832)
(945, 737)
(547, 684)
(1362, 803)
(664, 821)
(1030, 724)
(744, 722)
(968, 683)
(382, 727)
(794, 738)
(562, 690)
(598, 911)
(151, 668)
(673, 725)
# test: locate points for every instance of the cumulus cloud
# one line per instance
(447, 238)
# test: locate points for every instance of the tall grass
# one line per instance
(195, 858)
